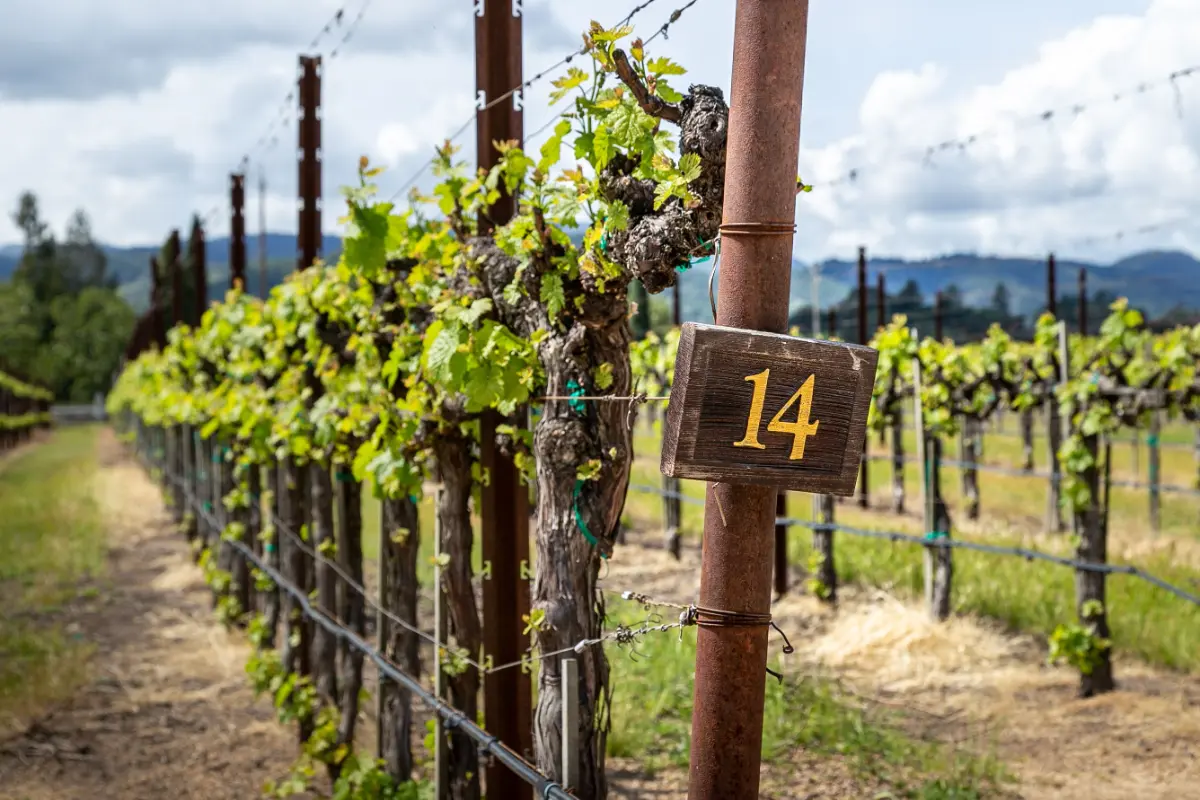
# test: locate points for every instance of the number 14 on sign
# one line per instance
(800, 430)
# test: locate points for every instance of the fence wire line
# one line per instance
(621, 634)
(487, 742)
(1017, 472)
(962, 544)
(539, 76)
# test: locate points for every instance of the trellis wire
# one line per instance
(964, 544)
(454, 719)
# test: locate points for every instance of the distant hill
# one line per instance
(1156, 281)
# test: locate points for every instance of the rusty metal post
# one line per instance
(833, 322)
(308, 127)
(198, 257)
(937, 316)
(864, 482)
(1083, 320)
(237, 231)
(762, 155)
(508, 694)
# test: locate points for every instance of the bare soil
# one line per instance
(168, 712)
(968, 683)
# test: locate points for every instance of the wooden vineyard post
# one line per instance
(938, 559)
(351, 603)
(897, 431)
(969, 438)
(382, 634)
(1154, 462)
(824, 582)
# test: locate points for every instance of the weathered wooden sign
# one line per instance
(763, 408)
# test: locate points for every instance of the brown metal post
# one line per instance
(237, 231)
(833, 322)
(508, 694)
(1083, 320)
(937, 316)
(308, 235)
(199, 257)
(864, 483)
(762, 153)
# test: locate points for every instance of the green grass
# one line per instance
(1027, 596)
(51, 543)
(651, 717)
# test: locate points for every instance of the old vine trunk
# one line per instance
(402, 528)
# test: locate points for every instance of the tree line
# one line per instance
(62, 323)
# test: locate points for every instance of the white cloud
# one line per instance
(1027, 185)
(145, 139)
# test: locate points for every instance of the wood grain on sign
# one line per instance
(764, 408)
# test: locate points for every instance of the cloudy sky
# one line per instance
(138, 110)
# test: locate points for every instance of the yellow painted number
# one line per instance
(756, 409)
(800, 430)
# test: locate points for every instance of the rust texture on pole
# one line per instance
(172, 259)
(1051, 290)
(508, 694)
(1083, 320)
(237, 231)
(737, 561)
(937, 316)
(198, 258)
(880, 301)
(308, 126)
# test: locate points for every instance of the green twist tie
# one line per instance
(576, 391)
(415, 500)
(207, 506)
(604, 242)
(583, 528)
(269, 547)
(344, 477)
(933, 536)
(1152, 440)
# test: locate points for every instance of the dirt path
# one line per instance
(168, 713)
(970, 683)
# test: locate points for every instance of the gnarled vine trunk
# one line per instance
(1091, 602)
(351, 603)
(322, 539)
(898, 467)
(1027, 440)
(969, 455)
(293, 516)
(826, 572)
(402, 530)
(452, 451)
(578, 520)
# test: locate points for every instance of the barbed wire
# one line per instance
(962, 544)
(622, 635)
(285, 110)
(1021, 122)
(537, 77)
